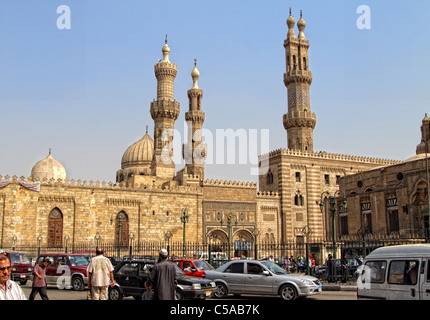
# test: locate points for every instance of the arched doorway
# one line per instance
(243, 242)
(122, 229)
(55, 228)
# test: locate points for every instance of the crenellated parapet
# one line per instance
(91, 184)
(229, 183)
(268, 194)
(328, 156)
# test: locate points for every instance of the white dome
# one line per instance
(48, 168)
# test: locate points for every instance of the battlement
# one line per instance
(229, 183)
(328, 156)
(268, 194)
(100, 185)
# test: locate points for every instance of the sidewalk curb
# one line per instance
(334, 287)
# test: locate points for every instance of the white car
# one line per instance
(261, 278)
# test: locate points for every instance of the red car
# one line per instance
(193, 267)
(66, 270)
(21, 266)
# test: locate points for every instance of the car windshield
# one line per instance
(273, 267)
(202, 265)
(78, 261)
(178, 270)
(19, 258)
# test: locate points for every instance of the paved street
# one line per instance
(56, 294)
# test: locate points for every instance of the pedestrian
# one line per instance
(148, 294)
(39, 283)
(100, 276)
(9, 290)
(163, 278)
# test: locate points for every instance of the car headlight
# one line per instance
(196, 286)
(30, 269)
(14, 269)
(307, 282)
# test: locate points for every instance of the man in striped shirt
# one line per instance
(9, 290)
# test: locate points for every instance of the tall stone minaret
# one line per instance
(299, 121)
(194, 152)
(164, 111)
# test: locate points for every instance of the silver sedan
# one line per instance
(261, 278)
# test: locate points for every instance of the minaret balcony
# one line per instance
(294, 119)
(297, 75)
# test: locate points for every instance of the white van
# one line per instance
(396, 273)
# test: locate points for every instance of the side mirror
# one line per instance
(266, 273)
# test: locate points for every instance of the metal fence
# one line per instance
(224, 251)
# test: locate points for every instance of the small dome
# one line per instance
(139, 153)
(48, 168)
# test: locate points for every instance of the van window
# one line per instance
(403, 272)
(377, 271)
(428, 270)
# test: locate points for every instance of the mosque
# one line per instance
(151, 201)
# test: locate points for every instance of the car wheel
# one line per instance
(78, 284)
(115, 294)
(179, 295)
(221, 290)
(288, 292)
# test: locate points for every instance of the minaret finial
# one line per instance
(165, 41)
(195, 62)
(300, 13)
(290, 11)
(50, 150)
(146, 128)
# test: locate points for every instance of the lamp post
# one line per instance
(39, 240)
(14, 238)
(427, 234)
(97, 237)
(167, 236)
(66, 241)
(362, 233)
(306, 231)
(332, 199)
(229, 232)
(255, 233)
(184, 220)
(121, 216)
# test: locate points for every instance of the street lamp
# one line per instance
(66, 241)
(167, 236)
(332, 199)
(306, 231)
(97, 237)
(362, 233)
(229, 232)
(255, 233)
(428, 191)
(121, 216)
(184, 220)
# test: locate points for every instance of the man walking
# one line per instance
(163, 278)
(9, 290)
(39, 283)
(100, 276)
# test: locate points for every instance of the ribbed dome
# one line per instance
(139, 153)
(48, 168)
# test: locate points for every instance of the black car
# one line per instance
(130, 278)
(322, 272)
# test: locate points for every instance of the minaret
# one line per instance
(299, 121)
(425, 136)
(194, 152)
(164, 111)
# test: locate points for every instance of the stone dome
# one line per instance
(139, 153)
(48, 168)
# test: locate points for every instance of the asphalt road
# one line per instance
(56, 294)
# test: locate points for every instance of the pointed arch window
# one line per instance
(55, 228)
(122, 229)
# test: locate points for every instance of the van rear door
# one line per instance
(425, 280)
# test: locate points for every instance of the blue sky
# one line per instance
(86, 92)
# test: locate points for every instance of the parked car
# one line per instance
(22, 268)
(130, 277)
(66, 271)
(321, 271)
(193, 267)
(261, 278)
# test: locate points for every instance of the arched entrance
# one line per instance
(243, 243)
(122, 229)
(55, 228)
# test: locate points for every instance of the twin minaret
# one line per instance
(299, 121)
(165, 111)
